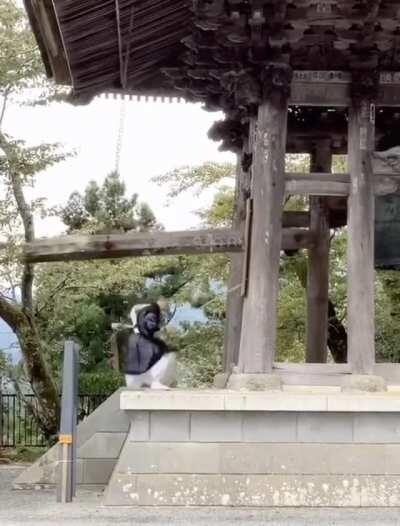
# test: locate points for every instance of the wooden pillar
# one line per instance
(259, 326)
(318, 263)
(360, 254)
(234, 308)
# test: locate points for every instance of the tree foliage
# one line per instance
(199, 353)
(196, 178)
(20, 63)
(82, 299)
(21, 78)
(107, 209)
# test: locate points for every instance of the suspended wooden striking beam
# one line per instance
(72, 248)
(68, 248)
(81, 247)
(335, 184)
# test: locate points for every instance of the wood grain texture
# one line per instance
(79, 248)
(360, 253)
(318, 264)
(325, 184)
(234, 306)
(259, 328)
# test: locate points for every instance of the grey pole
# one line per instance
(75, 419)
(67, 437)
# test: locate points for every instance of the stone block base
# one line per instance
(254, 382)
(295, 447)
(255, 490)
(100, 439)
(364, 383)
(304, 447)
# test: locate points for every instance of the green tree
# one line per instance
(106, 209)
(82, 299)
(199, 353)
(4, 370)
(20, 75)
(387, 336)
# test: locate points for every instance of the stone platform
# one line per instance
(299, 447)
(100, 439)
(303, 446)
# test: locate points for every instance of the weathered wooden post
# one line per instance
(318, 263)
(67, 478)
(361, 210)
(235, 298)
(259, 325)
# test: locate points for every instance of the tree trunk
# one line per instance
(23, 325)
(21, 318)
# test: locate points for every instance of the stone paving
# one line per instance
(39, 508)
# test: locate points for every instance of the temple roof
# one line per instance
(210, 51)
(185, 47)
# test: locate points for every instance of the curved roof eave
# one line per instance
(44, 24)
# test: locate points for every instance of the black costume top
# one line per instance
(141, 351)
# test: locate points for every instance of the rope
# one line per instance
(232, 289)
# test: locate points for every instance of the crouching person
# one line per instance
(147, 361)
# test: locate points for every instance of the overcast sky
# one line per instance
(157, 138)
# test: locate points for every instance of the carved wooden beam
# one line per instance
(78, 247)
(327, 88)
(333, 88)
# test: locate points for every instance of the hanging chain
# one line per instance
(124, 82)
(122, 114)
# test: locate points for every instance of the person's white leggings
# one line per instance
(161, 375)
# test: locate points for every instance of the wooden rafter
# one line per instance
(120, 48)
